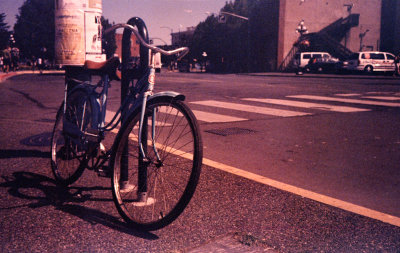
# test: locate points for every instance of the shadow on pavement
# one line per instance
(64, 199)
(39, 140)
(21, 153)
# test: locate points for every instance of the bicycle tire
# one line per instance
(170, 185)
(68, 156)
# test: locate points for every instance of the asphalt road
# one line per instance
(336, 135)
(347, 157)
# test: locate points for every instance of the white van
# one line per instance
(370, 61)
(302, 59)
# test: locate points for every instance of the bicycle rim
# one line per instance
(172, 181)
(68, 154)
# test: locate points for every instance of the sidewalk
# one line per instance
(5, 76)
(328, 75)
(303, 75)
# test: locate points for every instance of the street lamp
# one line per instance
(203, 63)
(12, 40)
(301, 28)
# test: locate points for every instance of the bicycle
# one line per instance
(156, 157)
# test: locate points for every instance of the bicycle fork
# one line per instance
(143, 131)
(143, 122)
(144, 161)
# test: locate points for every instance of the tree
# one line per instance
(34, 29)
(206, 39)
(239, 45)
(4, 33)
(226, 44)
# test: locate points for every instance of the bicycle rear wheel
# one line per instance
(68, 153)
(155, 192)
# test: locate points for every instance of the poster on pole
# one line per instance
(78, 31)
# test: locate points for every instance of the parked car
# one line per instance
(302, 59)
(323, 65)
(370, 62)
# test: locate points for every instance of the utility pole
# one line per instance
(361, 36)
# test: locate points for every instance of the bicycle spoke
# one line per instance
(69, 155)
(167, 182)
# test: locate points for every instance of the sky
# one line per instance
(176, 15)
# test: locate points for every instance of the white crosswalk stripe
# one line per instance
(251, 108)
(346, 100)
(110, 115)
(348, 94)
(291, 101)
(383, 98)
(308, 105)
(215, 117)
(209, 116)
(200, 115)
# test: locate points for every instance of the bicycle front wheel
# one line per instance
(151, 193)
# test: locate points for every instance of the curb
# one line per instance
(338, 76)
(5, 76)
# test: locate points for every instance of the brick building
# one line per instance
(339, 27)
(182, 38)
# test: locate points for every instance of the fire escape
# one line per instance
(326, 40)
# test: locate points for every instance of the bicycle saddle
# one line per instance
(109, 67)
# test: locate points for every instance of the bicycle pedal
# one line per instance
(104, 172)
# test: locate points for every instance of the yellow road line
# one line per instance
(367, 212)
(393, 220)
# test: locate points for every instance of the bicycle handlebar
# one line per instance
(184, 50)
